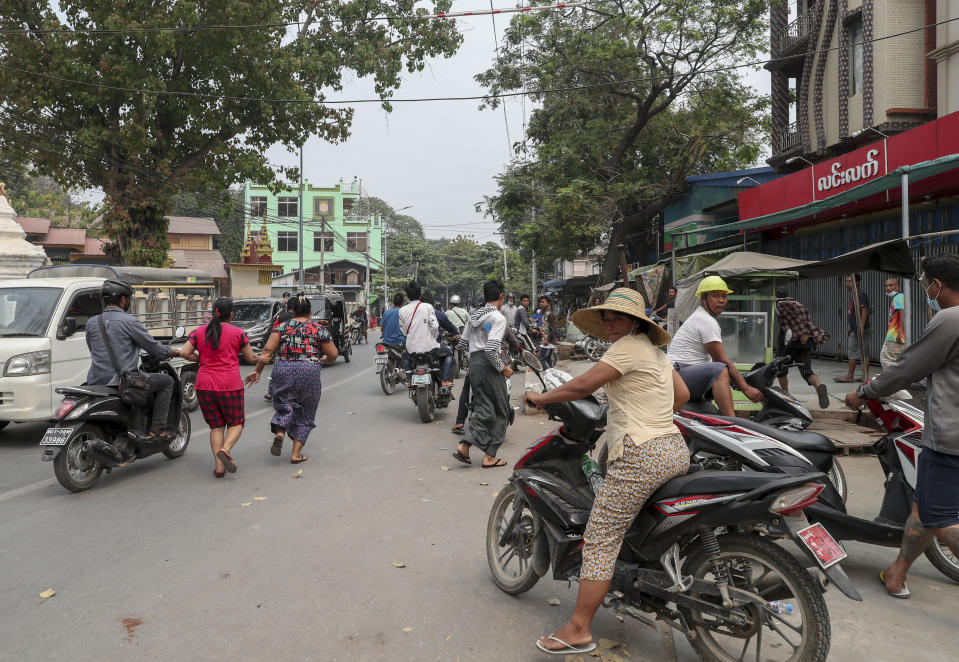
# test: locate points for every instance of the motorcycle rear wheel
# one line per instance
(386, 378)
(425, 405)
(520, 547)
(838, 479)
(73, 469)
(944, 560)
(347, 351)
(806, 642)
(178, 446)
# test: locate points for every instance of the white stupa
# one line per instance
(17, 255)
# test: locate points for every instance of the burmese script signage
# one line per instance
(840, 174)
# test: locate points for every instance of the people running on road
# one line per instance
(793, 317)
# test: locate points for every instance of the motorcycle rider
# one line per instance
(362, 320)
(935, 355)
(419, 324)
(456, 313)
(127, 336)
(445, 324)
(390, 323)
(697, 351)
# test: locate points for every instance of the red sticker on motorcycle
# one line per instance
(821, 543)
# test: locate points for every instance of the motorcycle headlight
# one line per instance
(31, 363)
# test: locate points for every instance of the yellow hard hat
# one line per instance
(712, 284)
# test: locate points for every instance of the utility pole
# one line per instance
(534, 299)
(505, 272)
(386, 291)
(367, 289)
(300, 242)
(322, 252)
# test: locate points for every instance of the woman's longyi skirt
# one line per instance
(296, 395)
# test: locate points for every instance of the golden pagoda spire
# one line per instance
(263, 245)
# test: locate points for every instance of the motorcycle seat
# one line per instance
(799, 441)
(711, 482)
(89, 390)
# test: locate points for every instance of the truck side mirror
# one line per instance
(67, 328)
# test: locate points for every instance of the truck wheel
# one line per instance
(188, 388)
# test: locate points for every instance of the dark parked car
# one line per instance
(256, 317)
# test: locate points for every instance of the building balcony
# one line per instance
(793, 38)
(787, 138)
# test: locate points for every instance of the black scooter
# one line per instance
(700, 556)
(94, 430)
(428, 392)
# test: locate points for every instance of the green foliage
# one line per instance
(654, 114)
(141, 147)
(42, 197)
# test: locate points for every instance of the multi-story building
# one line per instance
(336, 230)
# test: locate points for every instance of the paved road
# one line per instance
(160, 561)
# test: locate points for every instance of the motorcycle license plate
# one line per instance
(421, 379)
(56, 436)
(380, 359)
(821, 543)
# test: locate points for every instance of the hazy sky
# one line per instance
(439, 157)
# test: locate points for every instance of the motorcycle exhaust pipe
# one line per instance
(102, 452)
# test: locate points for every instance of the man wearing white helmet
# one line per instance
(456, 314)
(697, 351)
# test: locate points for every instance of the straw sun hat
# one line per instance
(621, 300)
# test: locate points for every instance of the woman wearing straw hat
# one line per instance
(645, 448)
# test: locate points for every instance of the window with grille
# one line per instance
(323, 242)
(356, 242)
(287, 206)
(258, 206)
(854, 28)
(286, 241)
(322, 207)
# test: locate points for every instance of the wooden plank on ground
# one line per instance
(846, 435)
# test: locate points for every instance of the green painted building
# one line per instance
(334, 227)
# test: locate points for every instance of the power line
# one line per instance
(476, 97)
(290, 24)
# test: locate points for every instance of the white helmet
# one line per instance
(455, 300)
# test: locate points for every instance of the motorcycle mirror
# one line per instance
(179, 332)
(532, 360)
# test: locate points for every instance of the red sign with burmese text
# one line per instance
(849, 170)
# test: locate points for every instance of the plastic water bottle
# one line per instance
(592, 473)
(780, 607)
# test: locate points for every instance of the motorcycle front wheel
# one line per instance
(73, 468)
(386, 378)
(838, 479)
(753, 564)
(425, 405)
(943, 559)
(511, 565)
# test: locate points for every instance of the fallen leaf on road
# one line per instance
(444, 468)
(484, 484)
(426, 500)
(299, 472)
(934, 588)
(412, 466)
(626, 653)
(611, 657)
(246, 503)
(399, 564)
(554, 601)
(578, 658)
(259, 498)
(349, 413)
(447, 637)
(595, 653)
(443, 449)
(407, 629)
(609, 643)
(49, 593)
(495, 494)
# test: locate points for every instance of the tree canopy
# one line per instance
(94, 98)
(652, 108)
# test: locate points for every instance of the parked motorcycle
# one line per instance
(426, 390)
(700, 556)
(736, 444)
(594, 348)
(94, 430)
(780, 409)
(389, 366)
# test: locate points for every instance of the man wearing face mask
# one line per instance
(896, 332)
(935, 355)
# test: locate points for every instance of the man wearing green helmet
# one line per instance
(697, 351)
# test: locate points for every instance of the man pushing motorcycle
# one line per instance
(935, 508)
(697, 351)
(127, 336)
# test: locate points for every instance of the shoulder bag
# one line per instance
(134, 386)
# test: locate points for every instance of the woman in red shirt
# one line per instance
(219, 387)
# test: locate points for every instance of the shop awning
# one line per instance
(916, 172)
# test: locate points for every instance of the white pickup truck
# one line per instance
(43, 318)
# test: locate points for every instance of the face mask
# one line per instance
(891, 294)
(932, 301)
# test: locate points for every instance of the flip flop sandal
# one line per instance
(227, 461)
(823, 396)
(277, 446)
(843, 380)
(499, 463)
(162, 435)
(902, 595)
(567, 649)
(303, 458)
(462, 458)
(218, 474)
